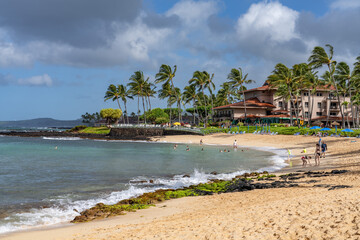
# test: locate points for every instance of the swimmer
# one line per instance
(187, 148)
(55, 147)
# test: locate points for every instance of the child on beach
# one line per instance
(289, 154)
(323, 149)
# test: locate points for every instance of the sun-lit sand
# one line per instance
(310, 211)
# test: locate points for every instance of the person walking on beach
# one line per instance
(201, 142)
(317, 155)
(323, 149)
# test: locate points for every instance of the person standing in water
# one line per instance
(235, 144)
(201, 142)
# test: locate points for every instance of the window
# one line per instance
(306, 93)
(306, 104)
(333, 113)
(319, 104)
(318, 113)
(280, 104)
(319, 94)
(306, 114)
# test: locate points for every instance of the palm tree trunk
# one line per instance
(205, 122)
(338, 97)
(170, 112)
(144, 109)
(194, 111)
(149, 103)
(127, 115)
(291, 115)
(138, 113)
(352, 109)
(309, 104)
(243, 93)
(118, 102)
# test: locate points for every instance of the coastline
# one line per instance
(296, 143)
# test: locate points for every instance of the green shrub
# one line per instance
(161, 120)
(77, 128)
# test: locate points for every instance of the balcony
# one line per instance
(334, 108)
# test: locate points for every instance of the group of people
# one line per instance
(320, 151)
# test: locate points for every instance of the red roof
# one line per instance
(251, 102)
(266, 86)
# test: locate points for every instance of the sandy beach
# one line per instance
(321, 207)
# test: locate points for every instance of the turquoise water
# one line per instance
(42, 180)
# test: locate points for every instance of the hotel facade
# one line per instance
(262, 103)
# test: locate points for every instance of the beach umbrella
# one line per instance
(334, 123)
(347, 130)
(176, 124)
(314, 127)
(325, 129)
(317, 123)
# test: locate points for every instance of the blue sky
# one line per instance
(58, 57)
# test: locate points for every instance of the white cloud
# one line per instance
(11, 56)
(268, 20)
(42, 80)
(193, 13)
(345, 4)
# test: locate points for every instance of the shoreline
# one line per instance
(224, 138)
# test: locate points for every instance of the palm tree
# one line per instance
(190, 95)
(238, 80)
(224, 95)
(283, 77)
(113, 93)
(137, 85)
(200, 81)
(149, 92)
(347, 80)
(166, 74)
(318, 58)
(210, 85)
(167, 92)
(124, 93)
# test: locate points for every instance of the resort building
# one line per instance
(262, 103)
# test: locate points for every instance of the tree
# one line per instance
(347, 81)
(157, 113)
(166, 92)
(124, 93)
(284, 78)
(166, 74)
(111, 115)
(137, 85)
(238, 80)
(190, 95)
(113, 93)
(200, 81)
(225, 94)
(90, 118)
(320, 57)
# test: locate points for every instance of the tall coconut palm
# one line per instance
(210, 85)
(238, 80)
(224, 95)
(113, 93)
(124, 93)
(347, 79)
(190, 95)
(167, 92)
(200, 81)
(149, 93)
(320, 57)
(166, 74)
(284, 77)
(137, 85)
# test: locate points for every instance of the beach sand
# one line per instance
(310, 211)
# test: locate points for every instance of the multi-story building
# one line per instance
(262, 102)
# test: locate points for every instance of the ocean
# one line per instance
(47, 181)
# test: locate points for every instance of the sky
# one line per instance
(57, 57)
